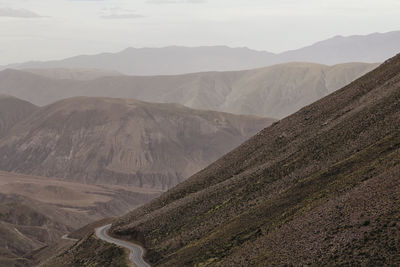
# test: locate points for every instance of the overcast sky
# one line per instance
(53, 29)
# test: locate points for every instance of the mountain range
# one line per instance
(319, 187)
(273, 92)
(371, 48)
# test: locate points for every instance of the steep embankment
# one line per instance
(319, 187)
(273, 92)
(119, 141)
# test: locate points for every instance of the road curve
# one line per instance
(136, 251)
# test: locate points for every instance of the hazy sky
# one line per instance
(52, 29)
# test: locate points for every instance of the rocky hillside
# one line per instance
(273, 92)
(13, 110)
(320, 187)
(125, 142)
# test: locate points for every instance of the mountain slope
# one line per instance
(121, 141)
(13, 110)
(319, 187)
(376, 47)
(274, 91)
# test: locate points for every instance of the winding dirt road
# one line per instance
(136, 251)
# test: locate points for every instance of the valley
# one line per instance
(36, 211)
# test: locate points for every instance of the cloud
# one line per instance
(87, 0)
(123, 16)
(160, 2)
(119, 13)
(18, 13)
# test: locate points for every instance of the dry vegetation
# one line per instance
(92, 252)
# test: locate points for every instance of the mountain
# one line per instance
(275, 91)
(162, 61)
(13, 110)
(36, 211)
(376, 47)
(372, 48)
(320, 187)
(73, 74)
(122, 141)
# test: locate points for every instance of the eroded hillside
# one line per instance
(120, 141)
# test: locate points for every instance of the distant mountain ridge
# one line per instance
(372, 48)
(274, 91)
(73, 74)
